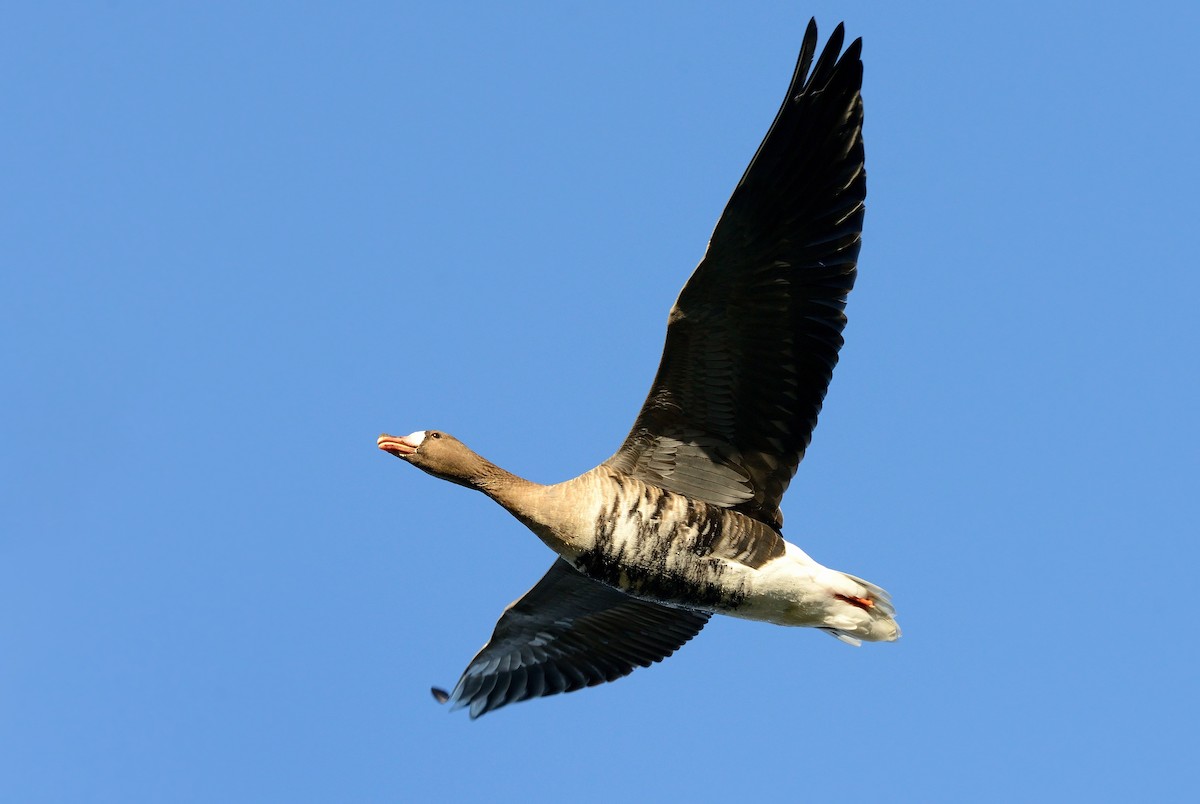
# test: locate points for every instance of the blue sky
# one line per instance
(241, 240)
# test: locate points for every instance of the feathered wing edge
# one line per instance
(566, 633)
(753, 338)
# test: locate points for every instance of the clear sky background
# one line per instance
(239, 240)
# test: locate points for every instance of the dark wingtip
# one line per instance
(439, 694)
(854, 51)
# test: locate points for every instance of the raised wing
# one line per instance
(565, 633)
(754, 336)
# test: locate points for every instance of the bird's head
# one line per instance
(438, 453)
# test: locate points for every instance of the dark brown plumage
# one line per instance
(566, 633)
(686, 513)
(754, 336)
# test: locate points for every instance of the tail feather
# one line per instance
(870, 615)
(842, 636)
(882, 599)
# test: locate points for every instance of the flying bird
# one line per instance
(683, 521)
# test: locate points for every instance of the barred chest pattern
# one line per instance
(669, 548)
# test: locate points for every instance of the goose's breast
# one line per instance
(666, 547)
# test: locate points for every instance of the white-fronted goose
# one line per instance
(684, 519)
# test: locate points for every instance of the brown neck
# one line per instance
(503, 486)
(536, 506)
(461, 465)
(500, 484)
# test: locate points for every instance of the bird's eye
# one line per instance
(435, 434)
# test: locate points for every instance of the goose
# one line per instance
(683, 520)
